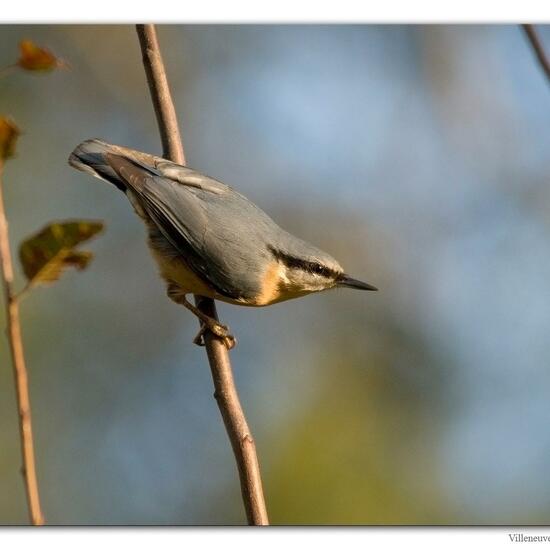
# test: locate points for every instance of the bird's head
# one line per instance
(305, 269)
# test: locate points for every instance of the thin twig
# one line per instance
(218, 357)
(18, 296)
(13, 332)
(538, 48)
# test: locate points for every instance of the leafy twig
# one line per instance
(18, 296)
(19, 369)
(218, 357)
(538, 48)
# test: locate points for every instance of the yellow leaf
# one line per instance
(45, 255)
(9, 132)
(35, 58)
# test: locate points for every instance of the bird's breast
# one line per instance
(173, 268)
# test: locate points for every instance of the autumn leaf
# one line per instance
(9, 132)
(45, 255)
(35, 58)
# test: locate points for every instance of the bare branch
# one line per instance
(538, 48)
(218, 356)
(172, 146)
(19, 370)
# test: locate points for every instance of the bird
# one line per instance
(209, 240)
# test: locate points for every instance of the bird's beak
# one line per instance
(347, 281)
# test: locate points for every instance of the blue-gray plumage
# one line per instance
(209, 239)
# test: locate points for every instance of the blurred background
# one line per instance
(416, 155)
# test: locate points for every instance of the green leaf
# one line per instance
(45, 255)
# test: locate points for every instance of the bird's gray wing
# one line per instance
(190, 178)
(218, 231)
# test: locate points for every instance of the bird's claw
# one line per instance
(207, 323)
(218, 330)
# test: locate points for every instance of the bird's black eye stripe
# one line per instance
(321, 270)
(297, 263)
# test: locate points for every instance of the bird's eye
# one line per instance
(317, 268)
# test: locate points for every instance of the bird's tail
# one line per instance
(89, 157)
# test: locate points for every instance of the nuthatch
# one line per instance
(208, 239)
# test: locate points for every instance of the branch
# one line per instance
(538, 48)
(19, 370)
(218, 357)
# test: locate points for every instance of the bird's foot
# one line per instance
(207, 323)
(218, 330)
